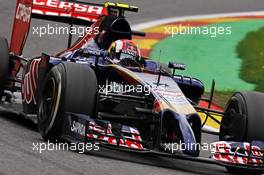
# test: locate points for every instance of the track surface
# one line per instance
(17, 135)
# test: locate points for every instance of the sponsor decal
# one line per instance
(93, 52)
(133, 141)
(60, 8)
(29, 83)
(173, 97)
(180, 66)
(23, 13)
(78, 128)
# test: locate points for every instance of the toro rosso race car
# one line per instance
(100, 90)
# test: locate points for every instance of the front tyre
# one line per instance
(69, 87)
(244, 118)
(243, 122)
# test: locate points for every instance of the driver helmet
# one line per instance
(124, 49)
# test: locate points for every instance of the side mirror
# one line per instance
(179, 66)
(176, 66)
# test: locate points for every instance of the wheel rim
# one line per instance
(49, 102)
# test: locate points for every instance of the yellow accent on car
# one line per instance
(109, 4)
(119, 5)
(122, 5)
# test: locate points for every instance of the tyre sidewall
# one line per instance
(46, 127)
(4, 66)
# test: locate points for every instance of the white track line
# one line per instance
(210, 128)
(149, 24)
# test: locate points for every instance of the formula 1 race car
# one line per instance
(84, 94)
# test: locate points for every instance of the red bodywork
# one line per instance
(67, 11)
(25, 9)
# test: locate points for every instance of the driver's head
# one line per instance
(124, 49)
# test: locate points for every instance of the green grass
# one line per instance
(220, 97)
(211, 58)
(251, 52)
(236, 62)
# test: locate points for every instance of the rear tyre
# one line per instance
(69, 87)
(4, 64)
(243, 122)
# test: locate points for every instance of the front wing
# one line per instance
(82, 128)
(243, 154)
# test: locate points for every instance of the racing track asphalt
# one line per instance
(17, 135)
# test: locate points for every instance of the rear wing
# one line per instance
(71, 12)
(77, 11)
(68, 12)
(21, 26)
